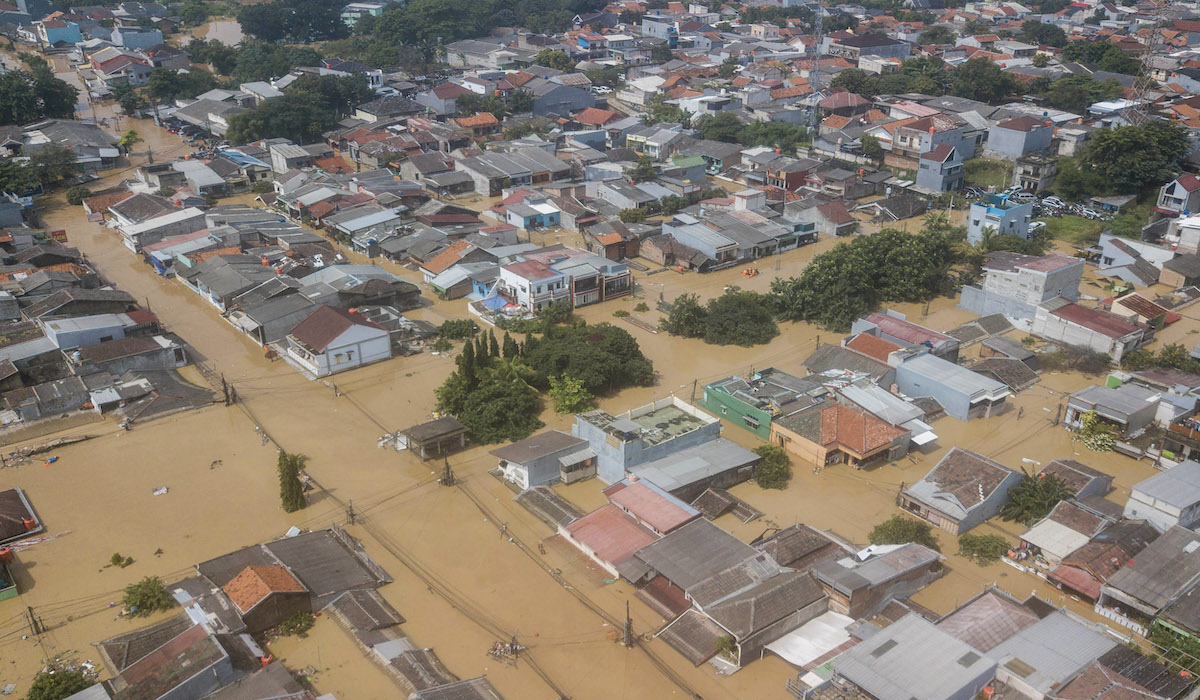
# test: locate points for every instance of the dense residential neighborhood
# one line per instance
(629, 349)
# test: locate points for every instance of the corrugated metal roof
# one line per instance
(1051, 652)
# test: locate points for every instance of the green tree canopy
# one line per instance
(1132, 158)
(166, 84)
(688, 317)
(339, 94)
(853, 277)
(27, 96)
(602, 356)
(740, 318)
(291, 491)
(982, 80)
(291, 116)
(901, 530)
(56, 685)
(147, 596)
(774, 471)
(296, 21)
(1033, 498)
(554, 58)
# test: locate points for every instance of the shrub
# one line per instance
(901, 530)
(458, 329)
(984, 548)
(621, 313)
(641, 308)
(1095, 433)
(775, 469)
(77, 194)
(57, 684)
(632, 216)
(262, 187)
(297, 624)
(569, 395)
(1079, 359)
(291, 491)
(441, 345)
(167, 192)
(120, 561)
(147, 596)
(727, 647)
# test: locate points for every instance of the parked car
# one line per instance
(1054, 202)
(601, 89)
(1089, 213)
(1010, 191)
(1037, 227)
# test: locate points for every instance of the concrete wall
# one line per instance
(1013, 220)
(984, 303)
(913, 384)
(1161, 515)
(1051, 327)
(1016, 143)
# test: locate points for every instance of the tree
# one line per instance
(728, 68)
(602, 356)
(16, 178)
(510, 349)
(871, 147)
(740, 318)
(296, 21)
(1040, 60)
(128, 98)
(27, 96)
(194, 12)
(499, 405)
(632, 216)
(841, 284)
(128, 140)
(291, 116)
(901, 530)
(339, 94)
(661, 54)
(147, 596)
(1036, 32)
(672, 204)
(167, 192)
(983, 548)
(291, 491)
(1136, 157)
(57, 684)
(77, 194)
(722, 126)
(53, 162)
(569, 395)
(662, 111)
(1074, 183)
(982, 80)
(936, 34)
(688, 317)
(1078, 92)
(644, 170)
(1033, 498)
(774, 471)
(554, 58)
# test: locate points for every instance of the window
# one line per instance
(724, 411)
(750, 421)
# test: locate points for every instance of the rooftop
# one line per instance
(961, 481)
(650, 504)
(255, 583)
(611, 534)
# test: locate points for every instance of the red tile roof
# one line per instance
(481, 119)
(841, 100)
(255, 583)
(649, 506)
(873, 346)
(594, 116)
(611, 534)
(907, 331)
(447, 258)
(326, 325)
(531, 269)
(858, 431)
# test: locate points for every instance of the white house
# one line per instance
(332, 340)
(532, 284)
(1168, 498)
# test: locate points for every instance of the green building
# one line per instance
(767, 394)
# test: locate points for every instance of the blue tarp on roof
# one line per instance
(495, 303)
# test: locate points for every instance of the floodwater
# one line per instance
(226, 31)
(459, 582)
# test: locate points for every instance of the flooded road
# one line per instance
(457, 579)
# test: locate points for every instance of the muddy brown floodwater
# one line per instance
(222, 494)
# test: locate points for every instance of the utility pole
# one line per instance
(1057, 414)
(628, 628)
(225, 389)
(350, 514)
(694, 382)
(447, 475)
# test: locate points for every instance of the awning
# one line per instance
(1077, 579)
(813, 640)
(924, 438)
(577, 457)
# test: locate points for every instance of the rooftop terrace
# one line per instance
(654, 423)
